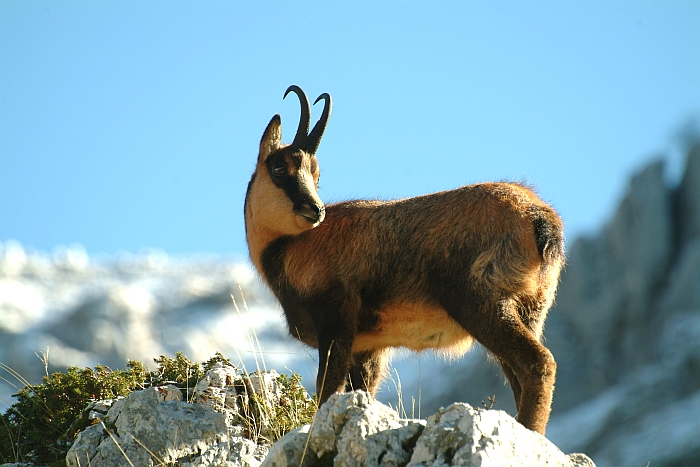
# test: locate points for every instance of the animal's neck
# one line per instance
(259, 236)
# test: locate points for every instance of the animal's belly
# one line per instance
(417, 327)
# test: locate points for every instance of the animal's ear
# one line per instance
(271, 138)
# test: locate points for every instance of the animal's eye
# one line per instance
(279, 170)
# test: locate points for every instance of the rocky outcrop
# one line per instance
(142, 429)
(652, 415)
(156, 427)
(350, 429)
(354, 430)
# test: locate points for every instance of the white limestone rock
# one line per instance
(147, 429)
(292, 451)
(155, 426)
(354, 430)
(463, 436)
(349, 429)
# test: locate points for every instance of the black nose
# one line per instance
(319, 210)
(313, 212)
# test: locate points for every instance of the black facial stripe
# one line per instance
(289, 182)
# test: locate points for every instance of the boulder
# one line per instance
(155, 426)
(353, 429)
(463, 436)
(349, 430)
(144, 429)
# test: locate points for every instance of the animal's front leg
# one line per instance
(335, 355)
(335, 322)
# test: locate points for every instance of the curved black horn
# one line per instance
(305, 119)
(314, 138)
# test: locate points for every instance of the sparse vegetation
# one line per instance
(182, 372)
(294, 408)
(41, 424)
(35, 429)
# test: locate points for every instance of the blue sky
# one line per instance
(126, 125)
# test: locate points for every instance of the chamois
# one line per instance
(358, 278)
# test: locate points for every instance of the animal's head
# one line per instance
(286, 176)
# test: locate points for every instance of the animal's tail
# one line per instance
(549, 235)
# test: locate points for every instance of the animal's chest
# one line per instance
(299, 321)
(417, 327)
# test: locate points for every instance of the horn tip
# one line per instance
(325, 96)
(293, 88)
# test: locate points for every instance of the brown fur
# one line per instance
(437, 271)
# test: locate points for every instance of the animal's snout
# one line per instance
(313, 211)
(319, 210)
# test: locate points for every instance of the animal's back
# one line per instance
(406, 242)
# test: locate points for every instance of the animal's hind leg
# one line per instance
(514, 383)
(367, 371)
(502, 332)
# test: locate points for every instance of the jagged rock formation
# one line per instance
(147, 430)
(354, 430)
(155, 427)
(607, 294)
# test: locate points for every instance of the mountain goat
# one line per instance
(357, 278)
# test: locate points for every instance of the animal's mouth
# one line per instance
(314, 214)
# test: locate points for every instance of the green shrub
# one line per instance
(35, 428)
(182, 372)
(40, 425)
(294, 408)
